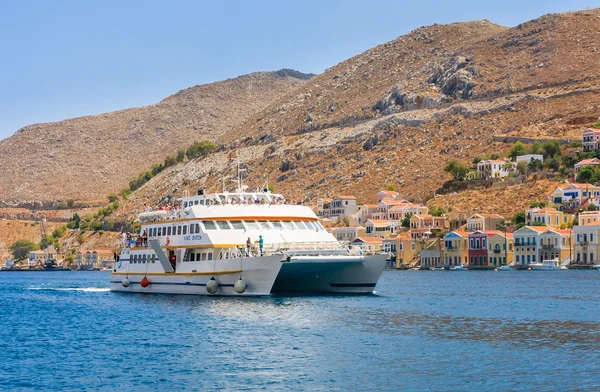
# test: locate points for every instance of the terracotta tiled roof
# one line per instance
(589, 161)
(375, 240)
(371, 205)
(346, 197)
(379, 222)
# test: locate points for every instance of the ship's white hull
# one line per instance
(330, 274)
(258, 273)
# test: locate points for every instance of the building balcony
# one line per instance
(584, 243)
(497, 250)
(549, 246)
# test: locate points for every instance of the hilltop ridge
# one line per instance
(87, 158)
(398, 112)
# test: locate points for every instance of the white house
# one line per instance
(494, 168)
(342, 206)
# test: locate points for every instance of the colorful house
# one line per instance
(526, 245)
(500, 250)
(373, 244)
(590, 139)
(555, 244)
(421, 226)
(586, 252)
(494, 168)
(594, 162)
(548, 216)
(400, 211)
(573, 195)
(478, 250)
(457, 219)
(431, 258)
(456, 248)
(407, 250)
(347, 234)
(483, 222)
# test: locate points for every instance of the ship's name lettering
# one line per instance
(192, 238)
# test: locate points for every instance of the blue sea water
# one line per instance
(421, 331)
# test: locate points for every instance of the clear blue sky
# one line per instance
(67, 58)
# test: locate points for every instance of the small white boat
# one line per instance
(597, 267)
(547, 265)
(457, 268)
(504, 268)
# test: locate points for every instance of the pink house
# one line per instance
(590, 139)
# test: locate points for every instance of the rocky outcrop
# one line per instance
(456, 78)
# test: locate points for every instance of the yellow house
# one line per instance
(586, 251)
(548, 216)
(456, 248)
(555, 243)
(501, 250)
(407, 249)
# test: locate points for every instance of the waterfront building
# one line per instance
(483, 222)
(39, 257)
(590, 139)
(100, 258)
(500, 249)
(364, 212)
(407, 250)
(431, 257)
(456, 248)
(384, 206)
(594, 162)
(478, 249)
(548, 216)
(555, 244)
(587, 244)
(347, 234)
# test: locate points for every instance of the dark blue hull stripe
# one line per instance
(176, 283)
(353, 284)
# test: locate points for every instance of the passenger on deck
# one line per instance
(248, 246)
(261, 242)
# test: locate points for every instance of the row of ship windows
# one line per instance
(143, 259)
(233, 225)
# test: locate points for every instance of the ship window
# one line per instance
(169, 230)
(289, 226)
(277, 225)
(210, 256)
(185, 204)
(301, 225)
(133, 259)
(153, 258)
(223, 225)
(264, 225)
(144, 259)
(178, 230)
(238, 225)
(184, 230)
(209, 225)
(203, 256)
(310, 225)
(154, 231)
(319, 225)
(252, 225)
(196, 202)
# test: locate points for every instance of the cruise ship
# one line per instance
(240, 244)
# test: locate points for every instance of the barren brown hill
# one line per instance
(13, 230)
(398, 112)
(89, 157)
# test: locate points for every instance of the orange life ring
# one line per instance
(168, 240)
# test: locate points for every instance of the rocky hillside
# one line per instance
(398, 112)
(13, 230)
(89, 157)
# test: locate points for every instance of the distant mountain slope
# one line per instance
(397, 113)
(89, 157)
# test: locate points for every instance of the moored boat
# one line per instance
(547, 265)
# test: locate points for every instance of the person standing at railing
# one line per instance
(248, 245)
(261, 243)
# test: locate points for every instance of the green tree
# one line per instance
(271, 188)
(522, 168)
(392, 188)
(112, 198)
(180, 155)
(476, 160)
(536, 148)
(406, 221)
(518, 218)
(70, 203)
(436, 211)
(126, 193)
(592, 207)
(538, 223)
(585, 174)
(551, 148)
(456, 169)
(517, 149)
(170, 161)
(21, 248)
(537, 204)
(534, 165)
(495, 156)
